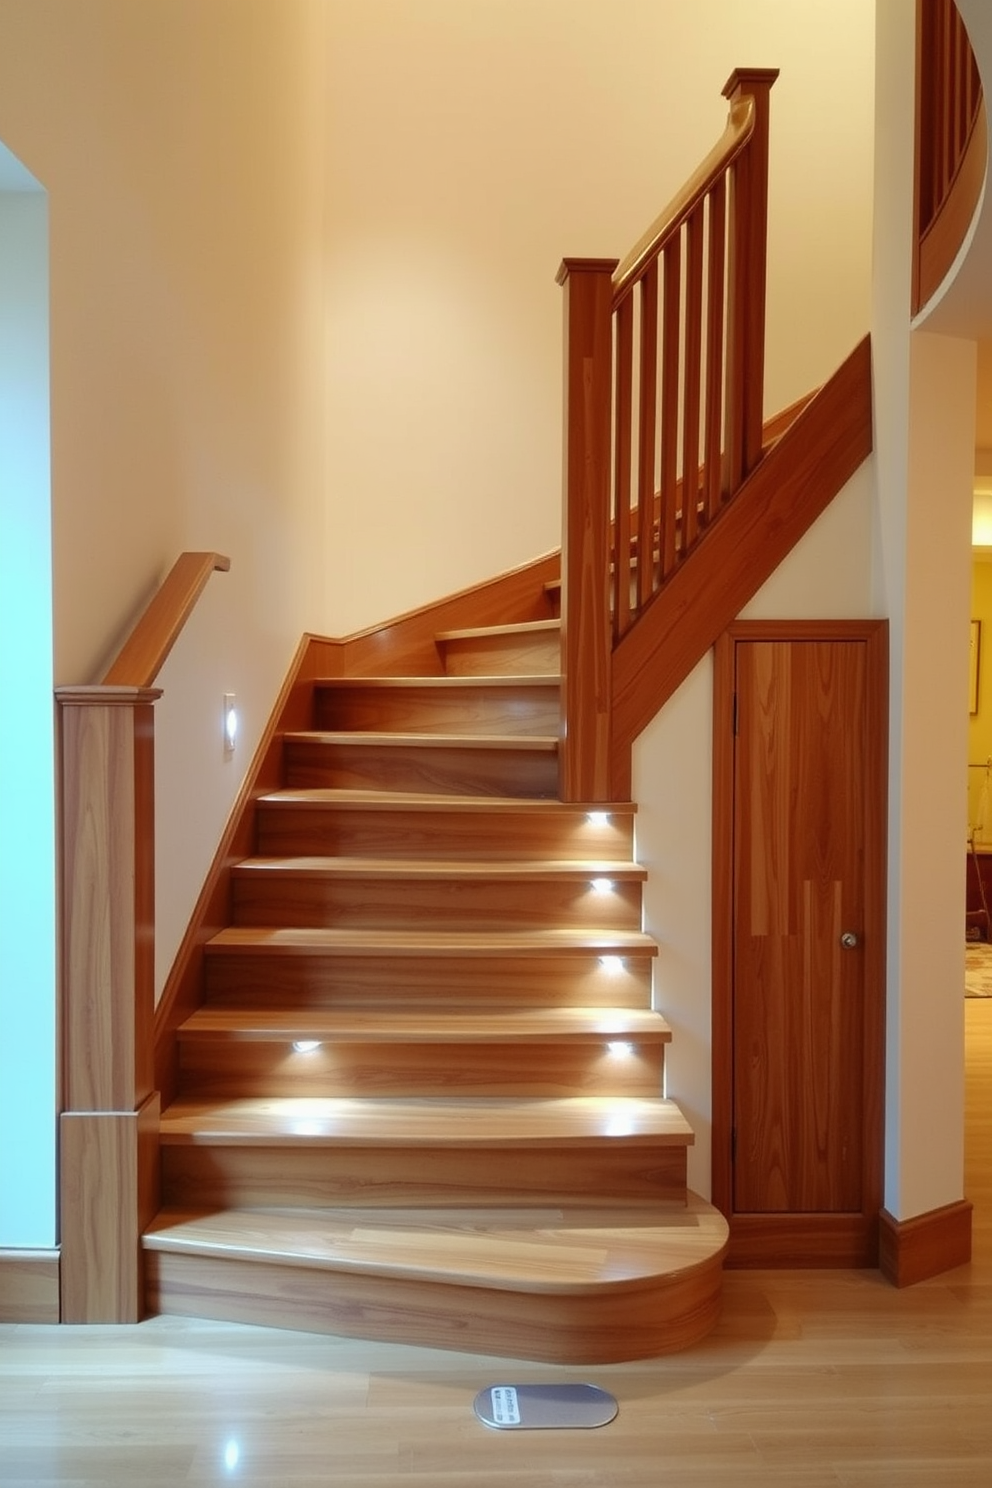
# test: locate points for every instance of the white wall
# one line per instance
(924, 440)
(27, 827)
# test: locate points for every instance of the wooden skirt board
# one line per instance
(799, 836)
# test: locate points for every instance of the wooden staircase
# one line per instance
(422, 1099)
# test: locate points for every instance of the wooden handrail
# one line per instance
(738, 130)
(143, 654)
(951, 144)
(664, 358)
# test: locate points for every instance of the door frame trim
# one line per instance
(797, 1239)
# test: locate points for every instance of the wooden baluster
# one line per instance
(672, 316)
(647, 434)
(716, 269)
(586, 641)
(622, 456)
(693, 371)
(109, 1124)
(746, 308)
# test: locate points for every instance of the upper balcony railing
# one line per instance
(951, 143)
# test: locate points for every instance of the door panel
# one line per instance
(798, 993)
(798, 863)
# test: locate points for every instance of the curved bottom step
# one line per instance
(585, 1286)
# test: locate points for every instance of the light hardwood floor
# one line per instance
(811, 1380)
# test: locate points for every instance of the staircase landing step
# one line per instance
(586, 1286)
(553, 1250)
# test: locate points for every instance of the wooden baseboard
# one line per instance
(29, 1286)
(912, 1250)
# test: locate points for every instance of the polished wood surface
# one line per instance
(534, 646)
(439, 705)
(108, 1193)
(585, 611)
(107, 895)
(792, 485)
(798, 994)
(796, 1238)
(486, 764)
(809, 1379)
(144, 652)
(374, 823)
(29, 1286)
(913, 1250)
(454, 895)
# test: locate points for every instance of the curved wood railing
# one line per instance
(108, 1126)
(664, 361)
(951, 143)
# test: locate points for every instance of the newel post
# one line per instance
(746, 283)
(109, 1112)
(586, 640)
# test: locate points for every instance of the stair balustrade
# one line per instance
(664, 358)
(951, 143)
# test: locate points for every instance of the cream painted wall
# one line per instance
(470, 147)
(180, 144)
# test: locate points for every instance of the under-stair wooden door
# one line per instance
(801, 817)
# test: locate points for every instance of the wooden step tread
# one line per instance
(448, 1122)
(535, 743)
(377, 942)
(446, 682)
(553, 1251)
(524, 1025)
(440, 868)
(523, 627)
(330, 798)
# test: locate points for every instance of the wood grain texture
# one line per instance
(371, 823)
(29, 1286)
(586, 638)
(916, 1249)
(795, 481)
(107, 895)
(533, 647)
(495, 765)
(637, 1320)
(850, 1240)
(108, 1192)
(439, 705)
(144, 652)
(432, 893)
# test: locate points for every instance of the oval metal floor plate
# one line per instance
(544, 1407)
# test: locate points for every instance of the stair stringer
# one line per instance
(795, 481)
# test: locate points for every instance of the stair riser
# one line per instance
(276, 898)
(437, 770)
(211, 1067)
(324, 1176)
(518, 835)
(481, 656)
(446, 982)
(594, 1328)
(464, 710)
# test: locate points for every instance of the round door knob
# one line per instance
(849, 940)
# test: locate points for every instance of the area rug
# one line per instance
(978, 969)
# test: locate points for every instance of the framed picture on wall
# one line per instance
(975, 647)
